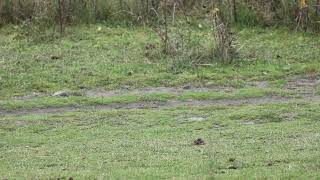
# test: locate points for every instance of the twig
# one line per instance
(174, 12)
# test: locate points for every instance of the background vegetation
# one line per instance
(49, 12)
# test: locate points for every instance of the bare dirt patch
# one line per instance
(189, 118)
(152, 104)
(29, 96)
(304, 86)
(259, 84)
(290, 116)
(127, 91)
(151, 90)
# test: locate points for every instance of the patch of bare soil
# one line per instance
(189, 118)
(258, 84)
(127, 91)
(29, 96)
(304, 86)
(151, 90)
(150, 105)
(282, 117)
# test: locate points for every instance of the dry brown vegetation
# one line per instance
(90, 11)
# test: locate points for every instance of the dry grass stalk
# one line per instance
(303, 16)
(224, 39)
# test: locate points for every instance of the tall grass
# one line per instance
(16, 11)
(249, 12)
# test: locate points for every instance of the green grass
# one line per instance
(115, 57)
(46, 102)
(270, 141)
(273, 141)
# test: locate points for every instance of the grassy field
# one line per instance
(114, 57)
(272, 141)
(128, 111)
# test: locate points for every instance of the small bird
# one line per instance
(199, 142)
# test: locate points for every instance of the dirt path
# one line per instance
(162, 105)
(305, 87)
